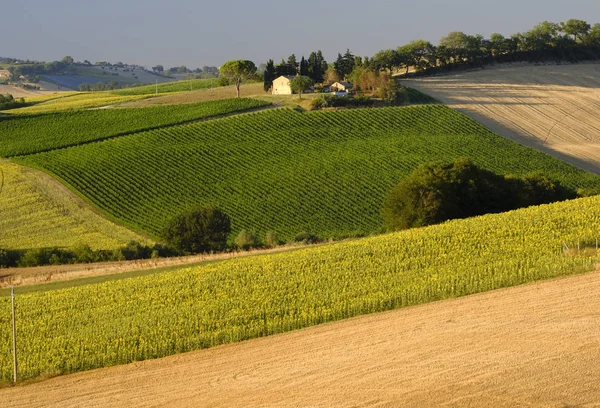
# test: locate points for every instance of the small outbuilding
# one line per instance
(282, 85)
(341, 87)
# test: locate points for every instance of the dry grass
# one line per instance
(555, 109)
(533, 345)
(224, 92)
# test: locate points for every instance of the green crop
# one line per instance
(21, 135)
(324, 172)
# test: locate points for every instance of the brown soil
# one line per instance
(533, 345)
(554, 108)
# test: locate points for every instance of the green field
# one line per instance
(71, 102)
(324, 172)
(29, 134)
(118, 322)
(35, 212)
(177, 86)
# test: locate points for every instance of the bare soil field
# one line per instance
(535, 345)
(19, 92)
(553, 108)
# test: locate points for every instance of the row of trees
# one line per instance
(315, 68)
(570, 40)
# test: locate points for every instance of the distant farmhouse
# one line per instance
(282, 85)
(4, 74)
(341, 87)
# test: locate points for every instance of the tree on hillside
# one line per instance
(385, 60)
(68, 60)
(577, 28)
(204, 229)
(238, 71)
(417, 54)
(300, 84)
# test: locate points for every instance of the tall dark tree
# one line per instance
(324, 66)
(292, 65)
(281, 69)
(269, 75)
(303, 67)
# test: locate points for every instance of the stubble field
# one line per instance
(554, 108)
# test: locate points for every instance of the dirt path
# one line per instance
(55, 273)
(555, 109)
(534, 345)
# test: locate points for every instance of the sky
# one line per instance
(197, 32)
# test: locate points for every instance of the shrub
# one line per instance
(438, 192)
(204, 229)
(306, 238)
(246, 240)
(271, 239)
(318, 103)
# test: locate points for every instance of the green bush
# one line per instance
(204, 229)
(271, 239)
(438, 192)
(306, 238)
(246, 240)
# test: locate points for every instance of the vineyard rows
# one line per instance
(324, 172)
(21, 135)
(121, 321)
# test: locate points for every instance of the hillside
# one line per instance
(25, 134)
(473, 351)
(555, 109)
(326, 173)
(38, 212)
(121, 321)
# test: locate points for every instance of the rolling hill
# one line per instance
(325, 173)
(121, 321)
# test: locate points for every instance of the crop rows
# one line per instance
(21, 135)
(326, 173)
(126, 320)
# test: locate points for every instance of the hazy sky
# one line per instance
(196, 32)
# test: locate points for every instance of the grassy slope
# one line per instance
(29, 134)
(178, 86)
(122, 321)
(35, 212)
(322, 172)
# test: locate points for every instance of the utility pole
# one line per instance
(14, 333)
(156, 87)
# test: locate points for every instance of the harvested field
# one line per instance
(555, 108)
(533, 345)
(19, 92)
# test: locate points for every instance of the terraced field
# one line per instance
(38, 212)
(30, 134)
(284, 171)
(85, 327)
(555, 109)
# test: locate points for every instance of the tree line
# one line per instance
(573, 40)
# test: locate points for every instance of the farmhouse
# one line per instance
(341, 87)
(4, 74)
(282, 85)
